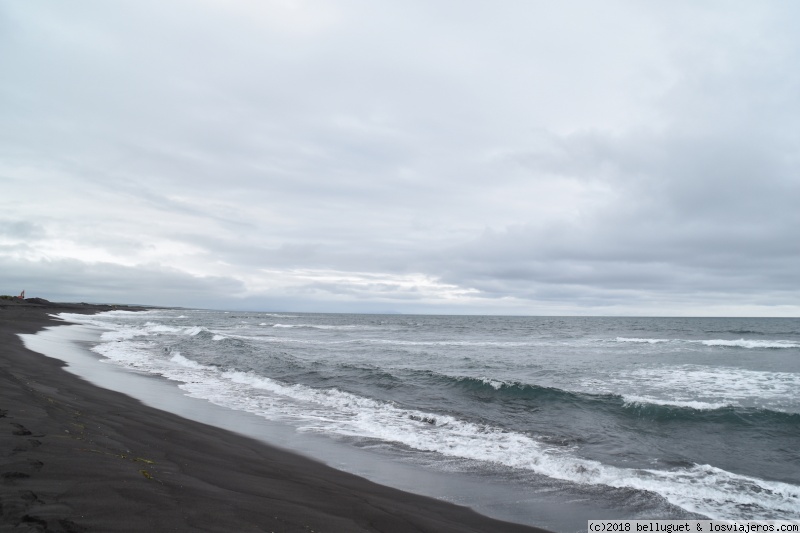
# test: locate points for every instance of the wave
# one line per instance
(487, 389)
(317, 326)
(740, 343)
(702, 387)
(628, 405)
(641, 402)
(743, 343)
(709, 413)
(689, 389)
(120, 331)
(743, 331)
(398, 342)
(642, 341)
(702, 489)
(504, 389)
(183, 361)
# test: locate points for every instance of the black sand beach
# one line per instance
(75, 457)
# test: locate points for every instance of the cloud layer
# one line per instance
(528, 157)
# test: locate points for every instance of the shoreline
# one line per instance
(76, 457)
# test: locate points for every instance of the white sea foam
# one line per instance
(181, 360)
(740, 343)
(108, 319)
(392, 342)
(743, 343)
(319, 326)
(399, 342)
(154, 327)
(121, 331)
(701, 387)
(631, 399)
(122, 334)
(641, 341)
(496, 384)
(128, 354)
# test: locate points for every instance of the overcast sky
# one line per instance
(511, 157)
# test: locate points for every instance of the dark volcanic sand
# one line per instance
(75, 457)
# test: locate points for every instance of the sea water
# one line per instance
(666, 418)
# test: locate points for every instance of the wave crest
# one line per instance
(725, 343)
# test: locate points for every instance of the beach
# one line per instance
(75, 457)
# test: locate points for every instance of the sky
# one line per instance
(457, 157)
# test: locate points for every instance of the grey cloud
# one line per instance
(572, 155)
(693, 216)
(20, 229)
(71, 280)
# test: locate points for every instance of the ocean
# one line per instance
(640, 418)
